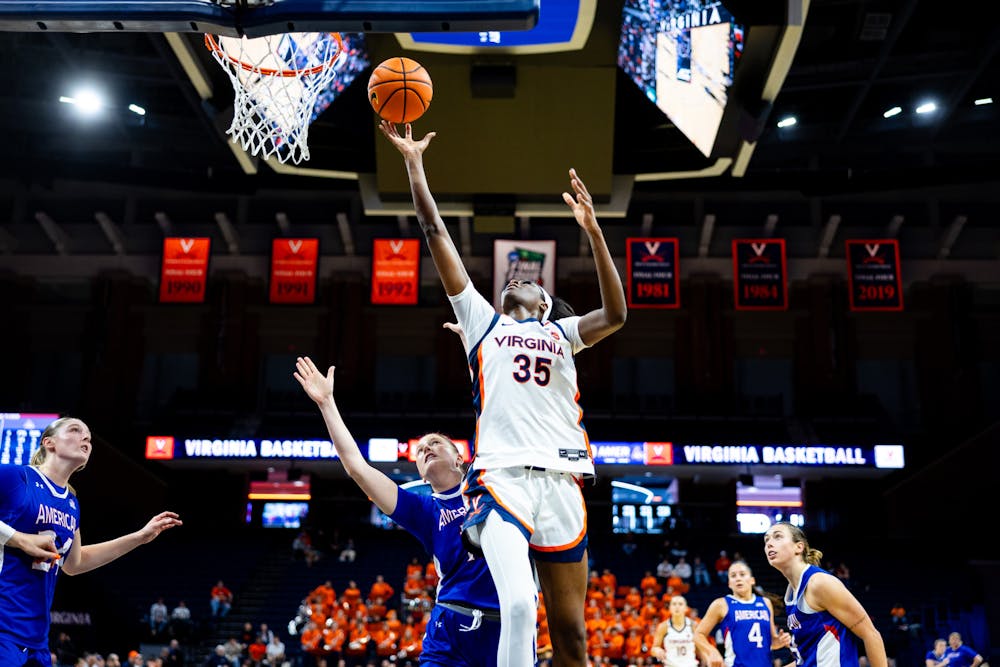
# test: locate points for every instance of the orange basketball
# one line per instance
(400, 90)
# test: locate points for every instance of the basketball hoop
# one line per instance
(276, 80)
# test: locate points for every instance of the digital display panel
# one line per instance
(643, 504)
(562, 25)
(759, 505)
(299, 490)
(380, 519)
(21, 435)
(682, 55)
(284, 514)
(350, 66)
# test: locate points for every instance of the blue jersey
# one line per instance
(931, 655)
(960, 657)
(436, 520)
(31, 503)
(818, 639)
(746, 630)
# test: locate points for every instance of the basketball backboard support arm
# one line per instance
(281, 16)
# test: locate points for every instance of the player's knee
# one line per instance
(569, 638)
(522, 610)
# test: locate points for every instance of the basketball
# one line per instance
(400, 90)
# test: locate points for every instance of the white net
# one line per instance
(276, 80)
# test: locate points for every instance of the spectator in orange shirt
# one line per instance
(634, 598)
(592, 610)
(410, 645)
(414, 568)
(386, 641)
(431, 577)
(677, 584)
(615, 641)
(380, 589)
(222, 600)
(377, 610)
(310, 638)
(596, 645)
(395, 624)
(358, 640)
(257, 651)
(334, 637)
(722, 564)
(649, 582)
(352, 595)
(413, 586)
(633, 644)
(595, 624)
(609, 579)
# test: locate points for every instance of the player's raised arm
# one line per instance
(610, 317)
(382, 490)
(449, 264)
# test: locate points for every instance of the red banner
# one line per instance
(293, 270)
(873, 274)
(760, 274)
(395, 272)
(184, 270)
(653, 273)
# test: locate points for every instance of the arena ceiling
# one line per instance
(74, 191)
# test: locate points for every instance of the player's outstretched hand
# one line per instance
(784, 639)
(405, 144)
(158, 524)
(42, 548)
(581, 202)
(456, 329)
(319, 387)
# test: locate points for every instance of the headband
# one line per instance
(548, 303)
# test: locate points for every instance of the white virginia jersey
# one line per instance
(678, 645)
(524, 389)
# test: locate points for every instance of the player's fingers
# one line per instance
(568, 198)
(409, 131)
(329, 374)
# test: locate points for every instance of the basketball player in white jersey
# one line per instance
(673, 639)
(531, 453)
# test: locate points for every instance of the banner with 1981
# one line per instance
(653, 273)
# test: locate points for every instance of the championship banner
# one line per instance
(293, 270)
(760, 274)
(395, 272)
(653, 274)
(523, 260)
(184, 270)
(873, 274)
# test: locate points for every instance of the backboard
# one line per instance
(280, 16)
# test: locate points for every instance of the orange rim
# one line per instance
(212, 45)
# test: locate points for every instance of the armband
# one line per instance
(6, 532)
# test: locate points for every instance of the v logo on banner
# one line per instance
(186, 245)
(758, 248)
(396, 245)
(652, 247)
(295, 245)
(872, 249)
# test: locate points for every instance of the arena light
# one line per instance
(136, 109)
(889, 113)
(88, 101)
(927, 107)
(788, 121)
(984, 100)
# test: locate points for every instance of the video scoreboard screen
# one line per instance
(21, 435)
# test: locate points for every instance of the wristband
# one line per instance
(6, 532)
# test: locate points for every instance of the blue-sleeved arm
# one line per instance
(415, 513)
